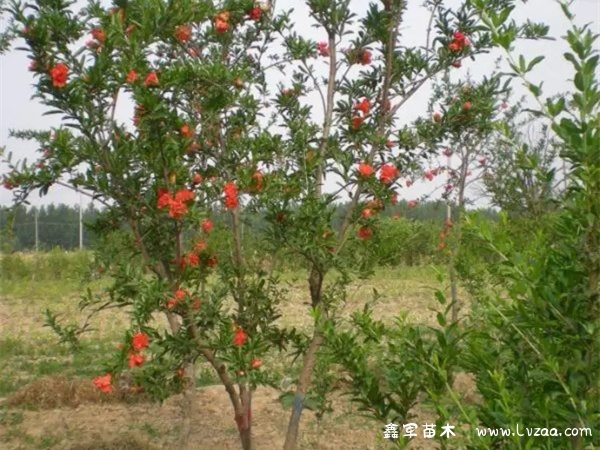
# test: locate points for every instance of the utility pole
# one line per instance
(80, 222)
(35, 215)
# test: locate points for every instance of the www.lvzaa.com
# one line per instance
(392, 431)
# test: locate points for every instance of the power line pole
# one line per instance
(35, 215)
(80, 222)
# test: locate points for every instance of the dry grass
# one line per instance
(58, 392)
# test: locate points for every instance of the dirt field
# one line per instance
(47, 400)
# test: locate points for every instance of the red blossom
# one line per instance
(221, 26)
(180, 295)
(207, 226)
(459, 42)
(257, 180)
(454, 47)
(412, 204)
(212, 261)
(256, 364)
(389, 173)
(365, 233)
(364, 106)
(99, 36)
(201, 246)
(183, 33)
(132, 77)
(323, 49)
(240, 338)
(255, 14)
(164, 199)
(104, 383)
(59, 74)
(197, 179)
(151, 80)
(365, 57)
(357, 122)
(409, 183)
(365, 170)
(193, 260)
(136, 360)
(231, 195)
(140, 341)
(187, 132)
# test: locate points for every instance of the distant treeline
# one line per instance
(58, 225)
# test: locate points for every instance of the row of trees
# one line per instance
(58, 225)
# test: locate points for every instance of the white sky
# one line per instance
(18, 111)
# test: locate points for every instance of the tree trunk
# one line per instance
(303, 383)
(244, 418)
(188, 408)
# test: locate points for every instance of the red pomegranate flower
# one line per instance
(104, 383)
(207, 226)
(187, 132)
(323, 49)
(389, 173)
(59, 74)
(99, 35)
(132, 77)
(365, 57)
(364, 106)
(357, 122)
(255, 14)
(240, 338)
(365, 170)
(140, 341)
(151, 80)
(183, 33)
(136, 360)
(365, 233)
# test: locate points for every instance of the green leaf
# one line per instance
(534, 62)
(439, 295)
(441, 319)
(287, 399)
(571, 58)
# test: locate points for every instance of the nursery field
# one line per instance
(48, 401)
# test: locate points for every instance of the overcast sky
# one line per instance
(17, 111)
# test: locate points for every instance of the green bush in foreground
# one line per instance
(532, 339)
